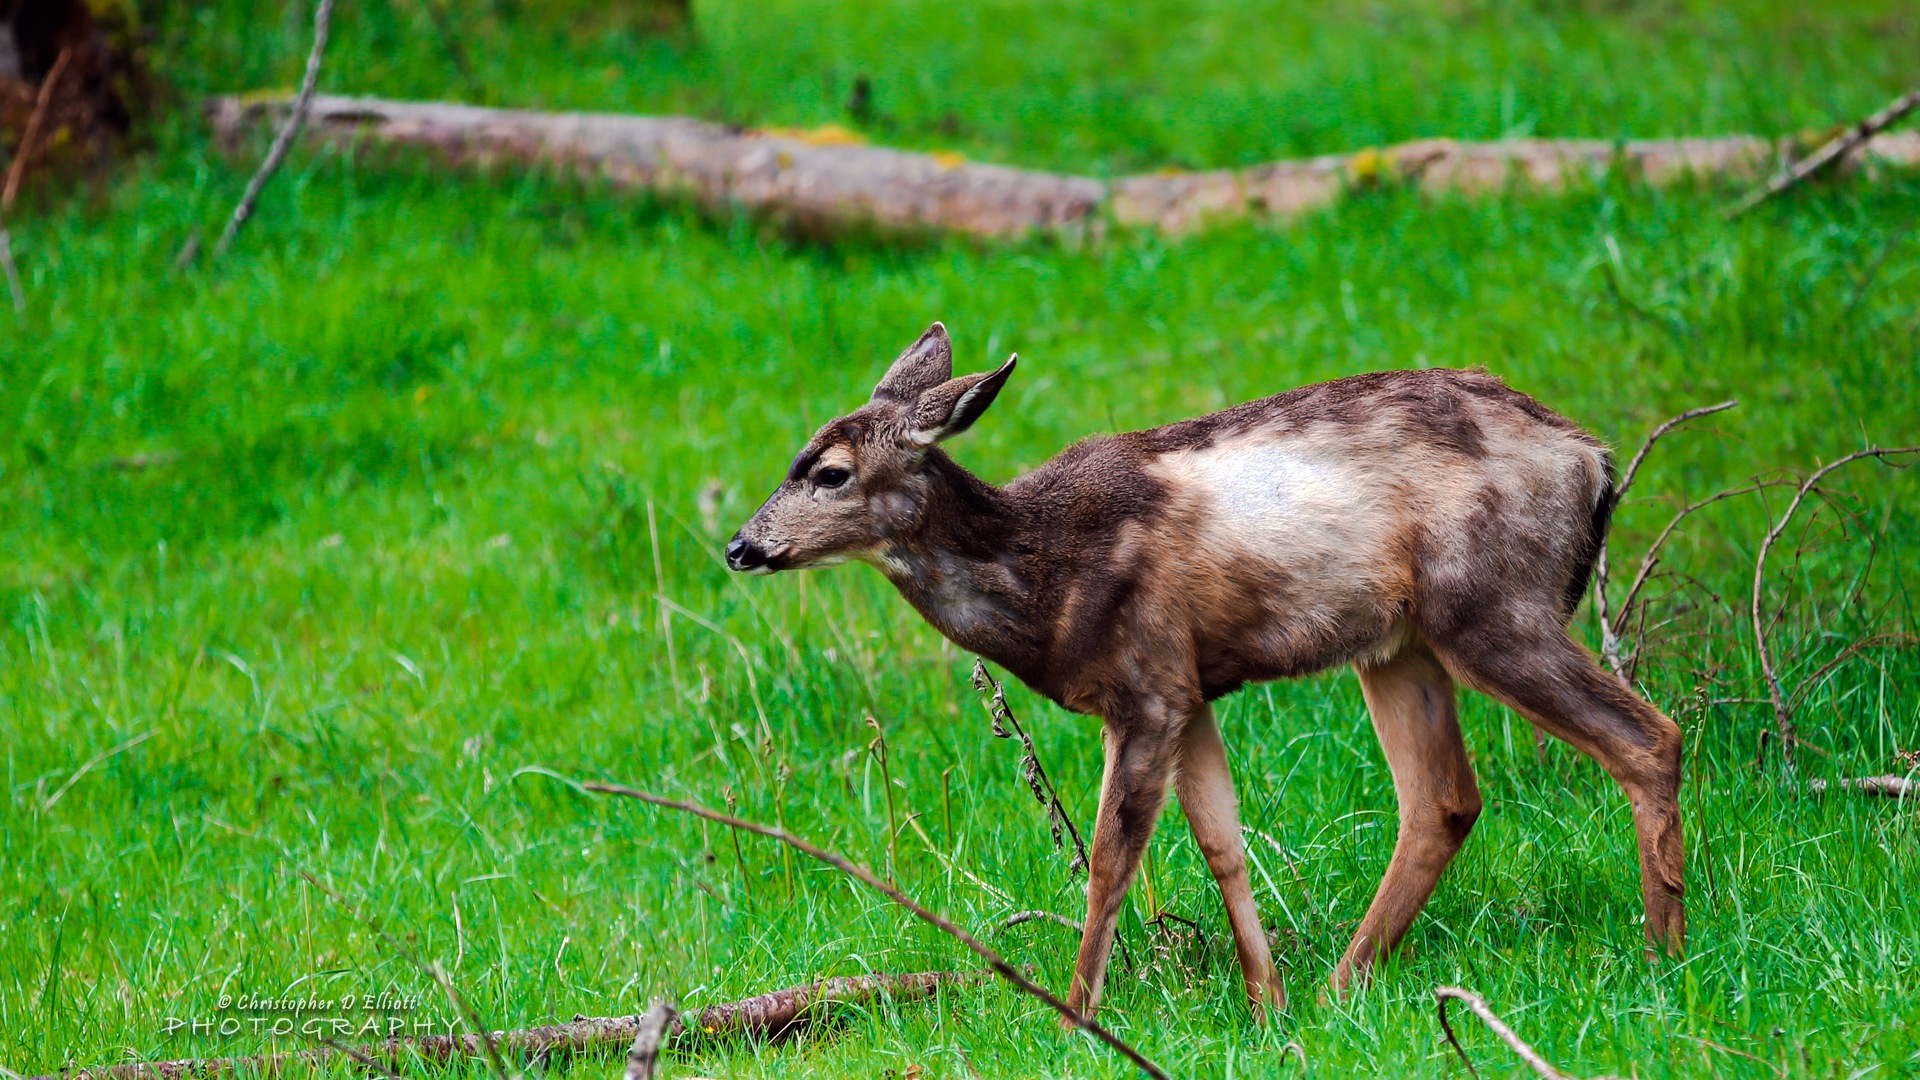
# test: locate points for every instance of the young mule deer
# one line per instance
(1426, 527)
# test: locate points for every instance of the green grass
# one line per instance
(422, 458)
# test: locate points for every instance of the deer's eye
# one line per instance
(832, 477)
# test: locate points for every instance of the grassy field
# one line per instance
(311, 556)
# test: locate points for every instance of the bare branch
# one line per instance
(646, 1041)
(1633, 466)
(866, 877)
(32, 130)
(1610, 627)
(1442, 994)
(1811, 682)
(1783, 712)
(1852, 139)
(283, 141)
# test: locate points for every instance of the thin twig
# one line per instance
(1782, 711)
(1852, 139)
(866, 877)
(14, 175)
(645, 1053)
(1811, 682)
(1036, 777)
(1649, 562)
(1019, 917)
(1711, 1045)
(32, 130)
(1633, 466)
(1861, 286)
(1478, 1004)
(283, 141)
(1609, 628)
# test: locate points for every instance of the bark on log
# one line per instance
(766, 1015)
(828, 180)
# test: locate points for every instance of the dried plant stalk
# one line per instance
(1007, 726)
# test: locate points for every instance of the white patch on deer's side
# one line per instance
(1264, 499)
(1282, 539)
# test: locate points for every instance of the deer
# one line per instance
(1431, 528)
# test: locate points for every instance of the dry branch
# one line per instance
(1852, 139)
(645, 1053)
(1610, 628)
(1782, 709)
(19, 170)
(763, 1016)
(866, 877)
(1526, 1053)
(283, 141)
(830, 179)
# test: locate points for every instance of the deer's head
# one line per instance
(859, 483)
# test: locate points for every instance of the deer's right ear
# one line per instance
(953, 406)
(926, 364)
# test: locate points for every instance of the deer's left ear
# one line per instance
(951, 408)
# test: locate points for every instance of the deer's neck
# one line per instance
(959, 563)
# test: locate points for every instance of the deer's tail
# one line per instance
(1596, 538)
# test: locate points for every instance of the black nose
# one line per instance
(743, 554)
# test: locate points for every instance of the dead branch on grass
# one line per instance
(1478, 1004)
(1610, 628)
(645, 1053)
(769, 1015)
(1036, 777)
(1848, 141)
(283, 140)
(866, 877)
(1782, 706)
(18, 171)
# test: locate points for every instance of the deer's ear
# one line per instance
(926, 364)
(953, 406)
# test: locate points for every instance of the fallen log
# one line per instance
(830, 180)
(766, 1015)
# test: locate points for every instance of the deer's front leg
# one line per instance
(1140, 755)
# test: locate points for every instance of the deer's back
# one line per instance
(1325, 524)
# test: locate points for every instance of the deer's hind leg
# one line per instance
(1205, 788)
(1411, 700)
(1548, 678)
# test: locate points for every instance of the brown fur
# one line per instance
(1426, 527)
